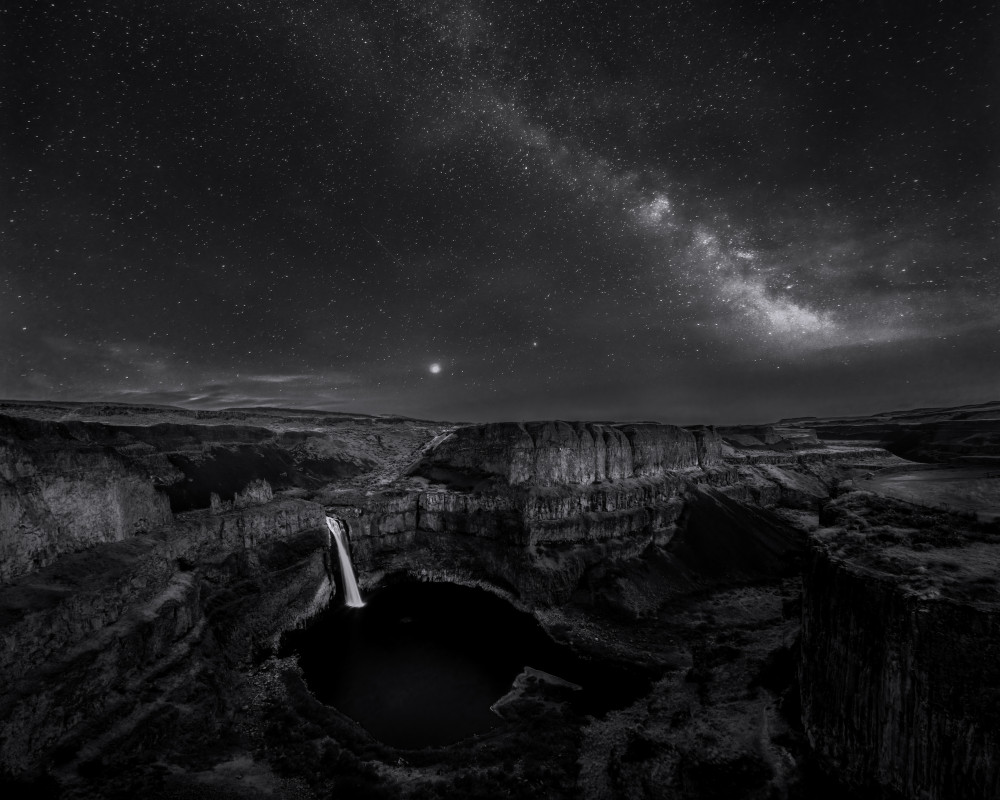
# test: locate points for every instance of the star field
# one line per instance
(691, 211)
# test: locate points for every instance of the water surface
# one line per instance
(421, 663)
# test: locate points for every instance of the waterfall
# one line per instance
(351, 594)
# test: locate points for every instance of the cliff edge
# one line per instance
(900, 669)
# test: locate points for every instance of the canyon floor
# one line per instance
(800, 610)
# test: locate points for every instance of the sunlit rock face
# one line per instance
(900, 666)
(547, 453)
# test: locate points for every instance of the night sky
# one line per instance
(707, 211)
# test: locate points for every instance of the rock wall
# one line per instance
(82, 640)
(58, 500)
(928, 435)
(549, 453)
(769, 436)
(474, 511)
(708, 444)
(533, 542)
(900, 688)
(191, 461)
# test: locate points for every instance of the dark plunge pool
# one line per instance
(421, 663)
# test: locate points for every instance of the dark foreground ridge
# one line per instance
(769, 611)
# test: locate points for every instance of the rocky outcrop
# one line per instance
(930, 435)
(709, 445)
(781, 437)
(56, 498)
(139, 639)
(118, 617)
(529, 509)
(900, 670)
(549, 453)
(83, 639)
(840, 454)
(75, 476)
(191, 455)
(533, 542)
(257, 492)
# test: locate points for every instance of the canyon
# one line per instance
(764, 618)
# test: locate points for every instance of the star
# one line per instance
(697, 181)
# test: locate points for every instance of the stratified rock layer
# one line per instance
(962, 433)
(781, 436)
(534, 543)
(529, 508)
(548, 453)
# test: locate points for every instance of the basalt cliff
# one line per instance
(794, 632)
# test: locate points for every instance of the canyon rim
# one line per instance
(756, 611)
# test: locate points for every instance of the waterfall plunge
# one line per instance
(352, 596)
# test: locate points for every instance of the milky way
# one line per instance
(688, 211)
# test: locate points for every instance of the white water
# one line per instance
(352, 596)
